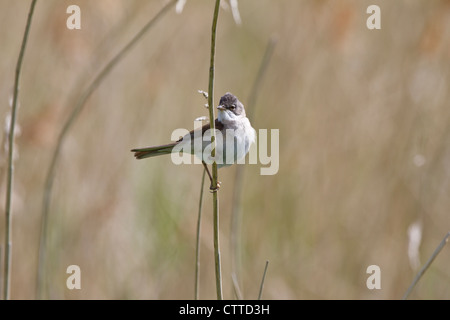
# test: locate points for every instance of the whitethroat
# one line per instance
(234, 135)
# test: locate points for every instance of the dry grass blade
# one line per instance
(8, 236)
(236, 288)
(426, 266)
(197, 245)
(261, 288)
(239, 175)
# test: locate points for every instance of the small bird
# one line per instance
(231, 125)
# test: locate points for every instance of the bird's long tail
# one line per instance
(148, 152)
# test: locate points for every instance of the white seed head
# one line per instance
(180, 6)
(235, 12)
(419, 160)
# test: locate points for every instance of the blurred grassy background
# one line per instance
(364, 123)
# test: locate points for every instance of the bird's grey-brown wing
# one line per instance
(218, 125)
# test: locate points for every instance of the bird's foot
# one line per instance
(213, 189)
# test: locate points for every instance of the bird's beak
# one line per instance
(221, 107)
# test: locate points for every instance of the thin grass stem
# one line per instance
(236, 287)
(250, 109)
(78, 107)
(10, 172)
(261, 287)
(213, 153)
(236, 216)
(197, 245)
(427, 265)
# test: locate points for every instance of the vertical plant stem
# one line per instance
(236, 287)
(261, 287)
(217, 246)
(236, 215)
(197, 246)
(61, 138)
(260, 76)
(10, 173)
(213, 153)
(427, 265)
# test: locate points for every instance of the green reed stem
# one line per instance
(197, 245)
(213, 153)
(10, 173)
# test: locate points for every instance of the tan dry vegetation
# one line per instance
(354, 108)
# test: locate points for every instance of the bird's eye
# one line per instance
(232, 107)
